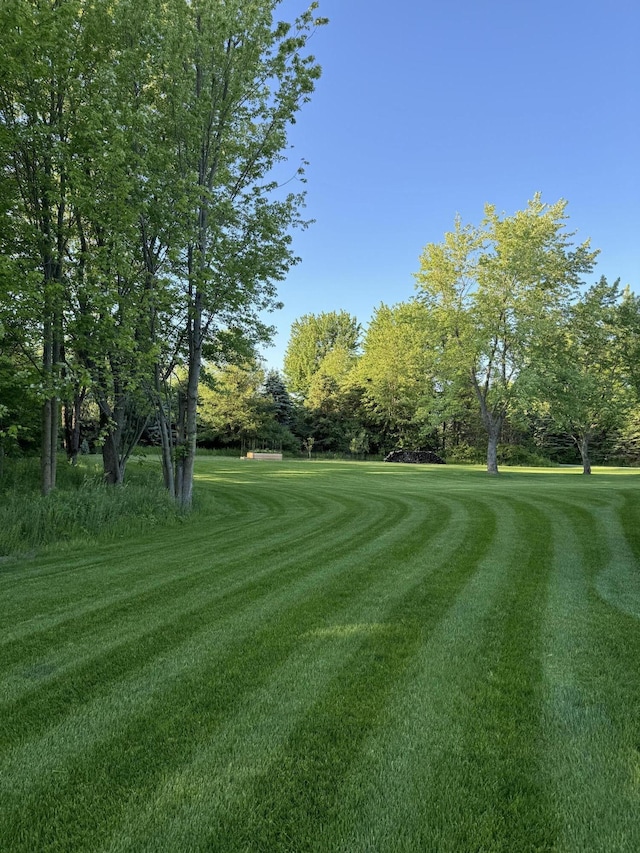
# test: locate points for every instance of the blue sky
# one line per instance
(428, 109)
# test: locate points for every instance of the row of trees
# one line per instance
(142, 229)
(502, 338)
(501, 342)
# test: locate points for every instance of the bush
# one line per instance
(516, 454)
(465, 454)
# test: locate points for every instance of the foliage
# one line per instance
(580, 377)
(494, 291)
(275, 393)
(628, 438)
(395, 373)
(141, 221)
(232, 408)
(322, 346)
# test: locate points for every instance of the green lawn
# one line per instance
(334, 657)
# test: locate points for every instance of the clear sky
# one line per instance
(427, 109)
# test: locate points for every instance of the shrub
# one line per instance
(464, 453)
(516, 454)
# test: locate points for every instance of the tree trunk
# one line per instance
(72, 426)
(190, 402)
(583, 446)
(113, 470)
(492, 449)
(50, 412)
(180, 445)
(48, 457)
(166, 448)
(493, 422)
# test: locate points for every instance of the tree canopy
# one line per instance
(494, 293)
(141, 224)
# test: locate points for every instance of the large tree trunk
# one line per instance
(113, 470)
(583, 446)
(492, 449)
(493, 423)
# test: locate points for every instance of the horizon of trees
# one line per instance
(504, 341)
(143, 233)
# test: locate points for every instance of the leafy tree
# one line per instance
(314, 338)
(138, 148)
(395, 374)
(581, 377)
(628, 339)
(232, 84)
(40, 43)
(232, 408)
(19, 405)
(492, 292)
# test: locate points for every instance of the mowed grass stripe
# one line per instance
(592, 670)
(404, 793)
(189, 808)
(630, 519)
(159, 561)
(110, 655)
(495, 791)
(286, 805)
(222, 564)
(200, 675)
(618, 575)
(276, 594)
(163, 580)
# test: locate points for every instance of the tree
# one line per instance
(232, 408)
(313, 339)
(139, 143)
(395, 374)
(69, 148)
(38, 74)
(233, 83)
(19, 407)
(580, 377)
(628, 339)
(278, 399)
(492, 292)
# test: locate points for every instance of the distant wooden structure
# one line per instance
(267, 455)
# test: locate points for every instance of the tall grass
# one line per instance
(82, 507)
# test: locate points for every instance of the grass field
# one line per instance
(334, 657)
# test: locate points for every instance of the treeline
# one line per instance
(142, 228)
(504, 354)
(143, 233)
